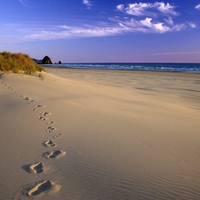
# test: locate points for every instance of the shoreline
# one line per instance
(87, 134)
(162, 67)
(121, 70)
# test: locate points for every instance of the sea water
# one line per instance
(174, 67)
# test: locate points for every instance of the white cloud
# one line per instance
(146, 21)
(191, 24)
(169, 20)
(153, 17)
(148, 9)
(165, 8)
(154, 27)
(24, 2)
(137, 9)
(74, 32)
(87, 3)
(115, 27)
(160, 28)
(174, 53)
(197, 7)
(120, 7)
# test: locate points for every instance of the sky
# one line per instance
(102, 31)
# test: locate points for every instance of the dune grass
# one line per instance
(18, 63)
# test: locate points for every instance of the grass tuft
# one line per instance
(17, 63)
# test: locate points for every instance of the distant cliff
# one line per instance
(37, 61)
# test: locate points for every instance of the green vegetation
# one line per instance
(18, 63)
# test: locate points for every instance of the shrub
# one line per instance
(18, 62)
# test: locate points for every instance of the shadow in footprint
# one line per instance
(45, 114)
(50, 129)
(49, 143)
(38, 106)
(54, 154)
(43, 118)
(34, 168)
(42, 188)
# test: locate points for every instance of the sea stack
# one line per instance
(46, 60)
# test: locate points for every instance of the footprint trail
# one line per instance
(42, 187)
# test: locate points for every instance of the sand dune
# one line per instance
(117, 134)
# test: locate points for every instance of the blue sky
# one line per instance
(102, 31)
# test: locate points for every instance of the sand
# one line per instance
(100, 134)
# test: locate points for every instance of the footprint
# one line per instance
(50, 128)
(31, 101)
(57, 135)
(49, 143)
(27, 98)
(34, 168)
(55, 154)
(43, 188)
(43, 118)
(10, 87)
(37, 167)
(45, 114)
(38, 106)
(49, 123)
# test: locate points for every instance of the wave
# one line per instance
(175, 67)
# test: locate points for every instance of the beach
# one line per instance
(90, 134)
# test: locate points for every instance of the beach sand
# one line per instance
(99, 134)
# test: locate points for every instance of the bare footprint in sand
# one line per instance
(27, 98)
(38, 106)
(50, 129)
(45, 114)
(11, 88)
(37, 167)
(43, 188)
(49, 123)
(34, 168)
(43, 118)
(31, 101)
(49, 143)
(55, 154)
(57, 135)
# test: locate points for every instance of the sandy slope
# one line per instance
(99, 134)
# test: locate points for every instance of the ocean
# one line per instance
(173, 67)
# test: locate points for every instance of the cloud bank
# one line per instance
(158, 17)
(143, 9)
(119, 27)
